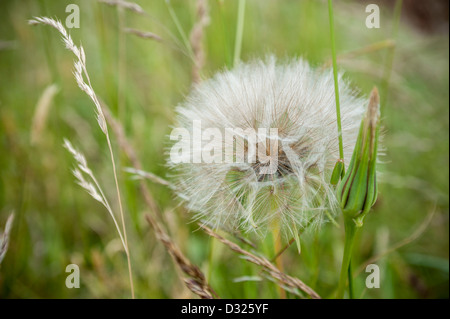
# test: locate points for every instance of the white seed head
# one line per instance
(299, 102)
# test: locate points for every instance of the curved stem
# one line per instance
(350, 231)
(130, 273)
(239, 32)
(210, 259)
(350, 280)
(277, 245)
(335, 75)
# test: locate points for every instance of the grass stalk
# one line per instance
(108, 207)
(277, 246)
(84, 82)
(335, 75)
(268, 268)
(196, 281)
(121, 80)
(119, 197)
(183, 35)
(130, 273)
(239, 32)
(210, 259)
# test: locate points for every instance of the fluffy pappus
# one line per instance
(296, 100)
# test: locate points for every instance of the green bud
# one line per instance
(337, 172)
(357, 191)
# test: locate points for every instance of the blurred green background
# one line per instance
(57, 223)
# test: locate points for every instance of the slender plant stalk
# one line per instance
(196, 40)
(350, 227)
(210, 259)
(97, 184)
(278, 247)
(267, 266)
(239, 32)
(350, 232)
(86, 86)
(278, 260)
(183, 35)
(350, 281)
(121, 65)
(335, 75)
(121, 114)
(119, 199)
(373, 47)
(225, 37)
(196, 281)
(130, 273)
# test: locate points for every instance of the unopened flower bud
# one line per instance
(357, 191)
(337, 172)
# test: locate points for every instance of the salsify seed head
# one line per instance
(275, 169)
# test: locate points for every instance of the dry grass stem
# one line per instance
(267, 266)
(84, 82)
(143, 34)
(385, 44)
(94, 188)
(196, 38)
(124, 4)
(80, 71)
(196, 282)
(41, 112)
(4, 238)
(139, 174)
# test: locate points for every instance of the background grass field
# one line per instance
(57, 223)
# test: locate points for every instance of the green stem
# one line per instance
(335, 75)
(121, 80)
(210, 259)
(350, 232)
(239, 32)
(180, 29)
(278, 261)
(350, 280)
